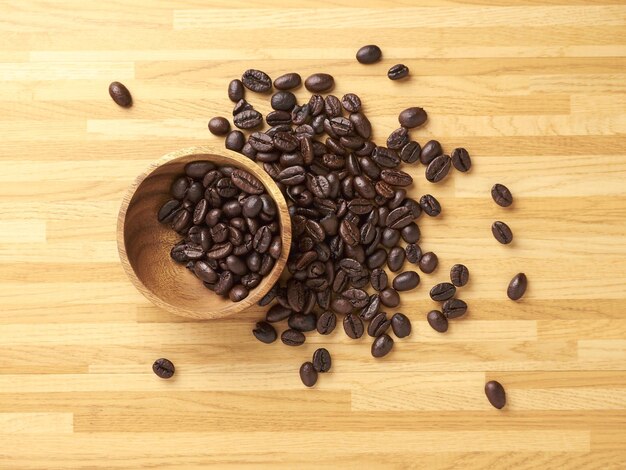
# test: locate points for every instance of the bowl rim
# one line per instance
(236, 160)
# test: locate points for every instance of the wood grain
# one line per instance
(535, 90)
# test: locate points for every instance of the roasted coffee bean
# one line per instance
(235, 140)
(303, 131)
(292, 175)
(410, 153)
(401, 325)
(249, 151)
(177, 253)
(398, 72)
(361, 125)
(358, 298)
(235, 90)
(377, 259)
(182, 221)
(360, 206)
(389, 297)
(193, 251)
(288, 81)
(390, 237)
(302, 322)
(412, 117)
(400, 217)
(316, 105)
(413, 206)
(256, 80)
(332, 106)
(430, 205)
(369, 54)
(353, 326)
(406, 281)
(461, 159)
(395, 259)
(236, 265)
(308, 374)
(238, 293)
(283, 101)
(317, 123)
(240, 106)
(428, 262)
(163, 368)
(120, 94)
(264, 332)
(219, 232)
(341, 126)
(398, 138)
(430, 151)
(219, 126)
(252, 206)
(351, 103)
(261, 142)
(382, 345)
(438, 168)
(319, 82)
(378, 279)
(277, 313)
(198, 168)
(396, 177)
(220, 250)
(398, 199)
(413, 253)
(495, 394)
(205, 272)
(292, 337)
(502, 232)
(289, 158)
(180, 186)
(326, 323)
(168, 211)
(378, 325)
(225, 283)
(454, 308)
(285, 142)
(363, 185)
(296, 295)
(195, 192)
(349, 232)
(501, 195)
(442, 291)
(386, 157)
(517, 286)
(411, 233)
(437, 321)
(200, 211)
(459, 275)
(278, 118)
(371, 309)
(248, 119)
(212, 218)
(322, 361)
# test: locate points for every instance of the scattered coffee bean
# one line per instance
(430, 205)
(256, 80)
(461, 159)
(353, 326)
(378, 279)
(495, 394)
(389, 297)
(454, 308)
(319, 82)
(292, 337)
(428, 262)
(326, 323)
(238, 293)
(378, 325)
(248, 119)
(120, 94)
(437, 321)
(438, 168)
(398, 72)
(430, 151)
(412, 117)
(442, 291)
(163, 368)
(283, 101)
(235, 90)
(369, 54)
(382, 345)
(413, 253)
(501, 195)
(502, 232)
(308, 374)
(517, 286)
(459, 275)
(401, 325)
(235, 140)
(406, 281)
(219, 126)
(288, 81)
(322, 361)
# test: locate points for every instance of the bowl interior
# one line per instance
(147, 243)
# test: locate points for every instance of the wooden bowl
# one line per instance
(144, 244)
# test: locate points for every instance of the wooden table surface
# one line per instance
(536, 93)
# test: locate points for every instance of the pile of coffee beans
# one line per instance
(230, 227)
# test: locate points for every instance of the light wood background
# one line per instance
(536, 92)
